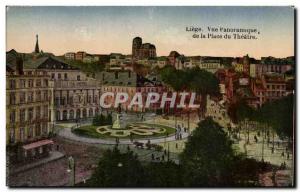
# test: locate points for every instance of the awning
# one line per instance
(37, 144)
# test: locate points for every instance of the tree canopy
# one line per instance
(280, 115)
(208, 156)
(117, 169)
(194, 79)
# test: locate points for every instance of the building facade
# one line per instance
(76, 96)
(70, 56)
(29, 110)
(142, 50)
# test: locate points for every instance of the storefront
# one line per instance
(37, 149)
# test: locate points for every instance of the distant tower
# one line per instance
(37, 49)
(136, 46)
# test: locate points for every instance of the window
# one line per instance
(62, 101)
(78, 77)
(12, 84)
(37, 129)
(38, 83)
(45, 95)
(30, 97)
(30, 132)
(30, 83)
(12, 98)
(38, 112)
(12, 135)
(56, 101)
(45, 113)
(30, 114)
(52, 75)
(45, 129)
(12, 116)
(45, 82)
(22, 83)
(22, 134)
(59, 76)
(22, 115)
(38, 96)
(70, 100)
(22, 97)
(66, 76)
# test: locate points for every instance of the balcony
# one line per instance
(76, 84)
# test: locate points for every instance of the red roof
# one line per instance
(37, 144)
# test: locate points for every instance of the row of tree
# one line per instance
(208, 160)
(195, 79)
(278, 114)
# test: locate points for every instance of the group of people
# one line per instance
(178, 132)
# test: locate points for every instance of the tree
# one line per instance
(279, 114)
(208, 156)
(195, 79)
(117, 170)
(163, 174)
(109, 120)
(240, 111)
(203, 83)
(99, 120)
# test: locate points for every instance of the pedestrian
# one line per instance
(272, 150)
(273, 177)
(152, 157)
(165, 152)
(163, 158)
(282, 154)
(288, 155)
(128, 148)
(176, 146)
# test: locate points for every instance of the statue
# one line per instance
(116, 124)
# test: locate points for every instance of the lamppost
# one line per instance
(71, 170)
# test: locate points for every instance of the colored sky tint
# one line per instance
(104, 30)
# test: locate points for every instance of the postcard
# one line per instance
(150, 96)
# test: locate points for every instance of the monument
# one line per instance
(116, 124)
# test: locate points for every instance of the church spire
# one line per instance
(37, 49)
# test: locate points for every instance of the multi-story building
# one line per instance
(131, 83)
(227, 78)
(211, 64)
(161, 61)
(242, 64)
(80, 55)
(29, 110)
(116, 59)
(142, 50)
(70, 56)
(76, 96)
(269, 87)
(90, 58)
(172, 57)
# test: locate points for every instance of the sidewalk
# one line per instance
(54, 155)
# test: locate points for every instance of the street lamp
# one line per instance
(120, 164)
(71, 170)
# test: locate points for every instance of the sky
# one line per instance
(104, 30)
